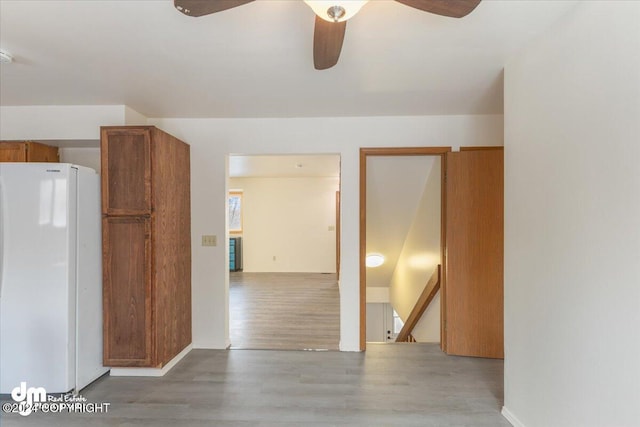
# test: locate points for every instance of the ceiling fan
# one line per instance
(331, 19)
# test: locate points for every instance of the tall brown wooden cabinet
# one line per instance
(146, 246)
(27, 151)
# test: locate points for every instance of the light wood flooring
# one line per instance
(285, 311)
(388, 385)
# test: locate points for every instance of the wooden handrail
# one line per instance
(430, 290)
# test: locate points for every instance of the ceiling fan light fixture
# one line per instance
(335, 10)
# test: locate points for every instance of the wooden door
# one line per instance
(13, 151)
(128, 327)
(126, 171)
(474, 253)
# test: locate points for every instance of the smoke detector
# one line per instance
(5, 57)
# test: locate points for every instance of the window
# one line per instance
(235, 212)
(397, 323)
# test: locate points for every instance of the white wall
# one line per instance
(395, 185)
(289, 219)
(572, 222)
(83, 156)
(213, 139)
(69, 122)
(75, 128)
(418, 260)
(378, 294)
(132, 117)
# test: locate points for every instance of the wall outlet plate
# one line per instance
(208, 240)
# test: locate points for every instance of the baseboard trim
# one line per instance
(151, 372)
(211, 346)
(515, 422)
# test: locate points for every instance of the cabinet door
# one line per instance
(13, 151)
(128, 328)
(126, 171)
(41, 153)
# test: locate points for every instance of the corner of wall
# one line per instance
(132, 117)
(515, 422)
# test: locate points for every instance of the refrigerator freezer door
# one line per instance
(89, 282)
(37, 304)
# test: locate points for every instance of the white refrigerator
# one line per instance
(50, 276)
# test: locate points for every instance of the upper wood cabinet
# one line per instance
(126, 171)
(146, 230)
(27, 151)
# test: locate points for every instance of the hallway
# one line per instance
(284, 311)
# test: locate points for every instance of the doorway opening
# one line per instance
(469, 274)
(283, 231)
(402, 224)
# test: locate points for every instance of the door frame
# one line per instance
(365, 152)
(337, 229)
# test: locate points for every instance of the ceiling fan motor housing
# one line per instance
(336, 12)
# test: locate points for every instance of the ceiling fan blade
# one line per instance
(451, 8)
(206, 7)
(327, 43)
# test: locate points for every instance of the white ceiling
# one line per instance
(394, 189)
(256, 60)
(319, 165)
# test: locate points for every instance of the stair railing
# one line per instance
(429, 292)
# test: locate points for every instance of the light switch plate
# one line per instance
(209, 240)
